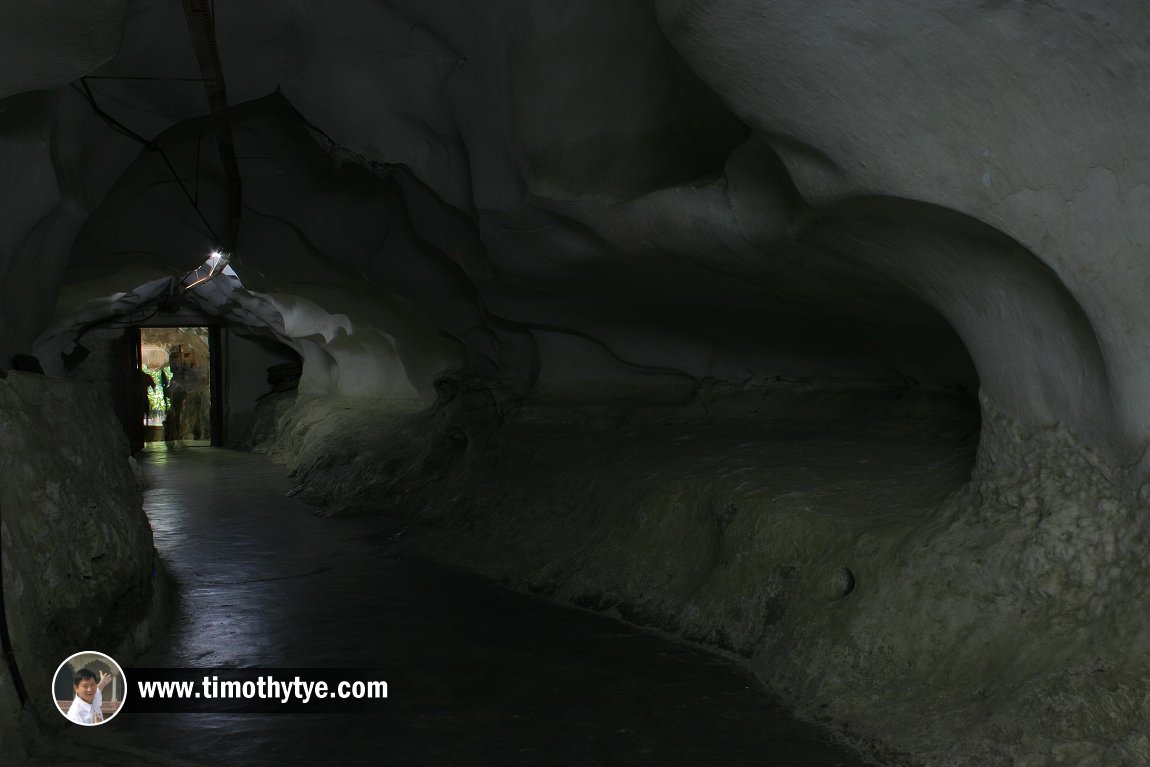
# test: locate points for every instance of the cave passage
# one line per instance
(478, 674)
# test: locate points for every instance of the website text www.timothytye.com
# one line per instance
(263, 688)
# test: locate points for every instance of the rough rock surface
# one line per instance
(80, 571)
(832, 540)
(609, 209)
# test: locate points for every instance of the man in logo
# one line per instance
(86, 706)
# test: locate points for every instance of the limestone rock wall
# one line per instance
(80, 571)
(834, 541)
(1023, 116)
(550, 225)
(44, 47)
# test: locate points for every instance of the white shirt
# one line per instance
(87, 713)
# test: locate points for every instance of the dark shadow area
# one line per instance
(477, 675)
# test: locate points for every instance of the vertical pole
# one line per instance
(130, 414)
(216, 386)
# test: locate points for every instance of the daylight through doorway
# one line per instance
(175, 368)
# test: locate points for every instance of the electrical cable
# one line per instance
(139, 77)
(152, 145)
(200, 18)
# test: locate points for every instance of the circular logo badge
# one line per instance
(89, 688)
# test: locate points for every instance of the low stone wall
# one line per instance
(80, 570)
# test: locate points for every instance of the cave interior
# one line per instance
(815, 338)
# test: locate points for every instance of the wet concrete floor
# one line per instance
(477, 675)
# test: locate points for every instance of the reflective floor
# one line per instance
(477, 675)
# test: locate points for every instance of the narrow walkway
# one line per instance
(477, 675)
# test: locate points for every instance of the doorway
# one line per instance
(176, 380)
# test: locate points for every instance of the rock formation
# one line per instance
(815, 334)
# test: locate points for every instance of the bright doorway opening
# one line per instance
(175, 382)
